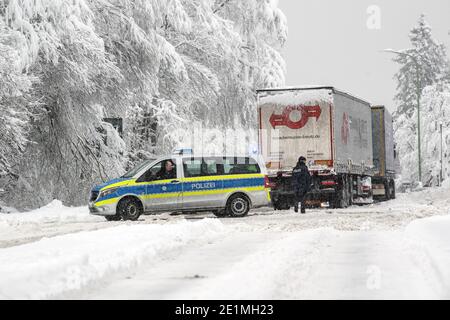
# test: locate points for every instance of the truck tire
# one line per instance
(350, 190)
(387, 191)
(281, 204)
(392, 190)
(342, 200)
(130, 209)
(342, 196)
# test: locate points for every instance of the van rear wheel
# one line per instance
(238, 206)
(129, 209)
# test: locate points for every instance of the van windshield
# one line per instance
(136, 169)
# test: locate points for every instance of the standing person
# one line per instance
(301, 180)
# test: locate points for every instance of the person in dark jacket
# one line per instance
(301, 180)
(167, 171)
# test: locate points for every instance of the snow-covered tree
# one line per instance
(15, 102)
(224, 56)
(160, 65)
(436, 112)
(262, 27)
(423, 65)
(64, 52)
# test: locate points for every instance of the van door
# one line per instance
(202, 184)
(163, 189)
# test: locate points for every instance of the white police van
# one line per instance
(224, 185)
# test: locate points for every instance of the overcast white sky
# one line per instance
(330, 43)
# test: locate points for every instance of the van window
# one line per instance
(192, 168)
(137, 168)
(240, 165)
(158, 172)
(200, 167)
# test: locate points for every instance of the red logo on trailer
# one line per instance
(345, 129)
(284, 119)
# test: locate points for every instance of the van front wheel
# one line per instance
(130, 209)
(238, 206)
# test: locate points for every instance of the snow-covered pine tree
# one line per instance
(16, 104)
(424, 64)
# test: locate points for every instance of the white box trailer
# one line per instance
(329, 127)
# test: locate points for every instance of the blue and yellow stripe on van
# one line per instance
(189, 187)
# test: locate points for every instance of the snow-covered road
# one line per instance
(319, 264)
(399, 249)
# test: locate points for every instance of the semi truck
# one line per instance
(333, 130)
(384, 154)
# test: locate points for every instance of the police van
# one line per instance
(224, 185)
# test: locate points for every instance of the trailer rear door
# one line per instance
(293, 124)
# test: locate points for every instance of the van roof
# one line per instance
(212, 156)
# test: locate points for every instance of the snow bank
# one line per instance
(53, 212)
(299, 97)
(429, 201)
(428, 241)
(53, 266)
(5, 209)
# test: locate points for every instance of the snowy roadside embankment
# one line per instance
(424, 203)
(428, 242)
(54, 212)
(50, 267)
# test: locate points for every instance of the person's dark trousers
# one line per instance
(300, 198)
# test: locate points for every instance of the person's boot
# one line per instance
(303, 211)
(296, 208)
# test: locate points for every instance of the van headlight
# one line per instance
(107, 192)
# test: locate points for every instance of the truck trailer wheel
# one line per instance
(340, 200)
(387, 191)
(281, 204)
(392, 190)
(350, 190)
(342, 196)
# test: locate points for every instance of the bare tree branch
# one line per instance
(220, 6)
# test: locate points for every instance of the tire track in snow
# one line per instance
(242, 266)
